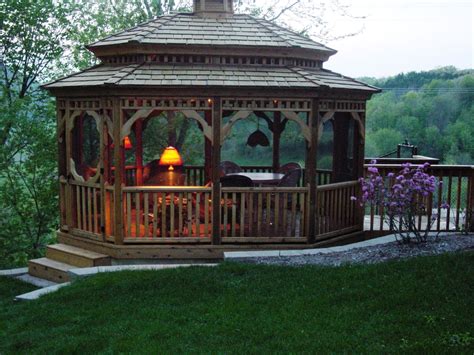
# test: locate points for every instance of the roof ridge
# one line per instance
(131, 28)
(349, 78)
(123, 73)
(290, 31)
(171, 16)
(260, 22)
(301, 72)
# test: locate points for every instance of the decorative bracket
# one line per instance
(327, 117)
(127, 127)
(207, 130)
(228, 126)
(356, 117)
(305, 130)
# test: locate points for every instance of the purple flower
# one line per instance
(353, 198)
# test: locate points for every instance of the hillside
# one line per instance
(433, 110)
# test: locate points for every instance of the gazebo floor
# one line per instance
(196, 251)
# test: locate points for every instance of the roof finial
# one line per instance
(213, 8)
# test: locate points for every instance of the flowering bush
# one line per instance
(404, 201)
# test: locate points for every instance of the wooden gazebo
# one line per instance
(213, 67)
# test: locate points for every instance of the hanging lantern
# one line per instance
(171, 157)
(258, 138)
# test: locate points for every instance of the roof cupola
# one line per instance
(213, 8)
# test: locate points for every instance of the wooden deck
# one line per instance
(177, 222)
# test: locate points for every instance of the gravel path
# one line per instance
(376, 253)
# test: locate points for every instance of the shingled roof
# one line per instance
(208, 76)
(234, 31)
(210, 49)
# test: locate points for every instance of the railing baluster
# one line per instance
(155, 215)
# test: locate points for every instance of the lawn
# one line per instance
(419, 305)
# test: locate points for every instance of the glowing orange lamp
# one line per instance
(171, 157)
(127, 143)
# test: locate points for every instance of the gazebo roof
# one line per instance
(212, 47)
(139, 75)
(233, 31)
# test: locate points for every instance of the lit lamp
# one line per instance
(171, 157)
(127, 143)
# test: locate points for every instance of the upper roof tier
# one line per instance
(211, 47)
(196, 33)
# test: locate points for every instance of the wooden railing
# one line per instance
(155, 214)
(195, 175)
(336, 214)
(86, 199)
(456, 190)
(62, 203)
(264, 214)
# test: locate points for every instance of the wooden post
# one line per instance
(215, 161)
(139, 152)
(207, 149)
(276, 140)
(470, 207)
(68, 137)
(117, 118)
(103, 162)
(311, 166)
(359, 149)
(62, 165)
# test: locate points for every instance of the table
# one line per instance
(262, 178)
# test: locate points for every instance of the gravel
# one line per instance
(375, 254)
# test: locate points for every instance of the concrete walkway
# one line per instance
(236, 255)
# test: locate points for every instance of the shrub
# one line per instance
(403, 201)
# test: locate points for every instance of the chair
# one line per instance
(290, 179)
(228, 167)
(288, 167)
(236, 181)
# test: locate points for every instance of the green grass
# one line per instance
(419, 305)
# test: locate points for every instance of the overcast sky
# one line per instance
(404, 35)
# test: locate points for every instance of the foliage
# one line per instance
(31, 36)
(416, 80)
(431, 112)
(417, 306)
(28, 185)
(403, 201)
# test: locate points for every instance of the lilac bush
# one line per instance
(403, 200)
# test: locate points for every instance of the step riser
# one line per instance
(47, 273)
(76, 260)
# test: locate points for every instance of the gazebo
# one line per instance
(214, 68)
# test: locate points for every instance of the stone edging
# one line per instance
(236, 255)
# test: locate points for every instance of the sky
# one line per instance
(402, 35)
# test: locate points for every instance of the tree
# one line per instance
(32, 34)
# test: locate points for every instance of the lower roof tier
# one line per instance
(153, 75)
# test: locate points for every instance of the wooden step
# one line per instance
(71, 255)
(51, 270)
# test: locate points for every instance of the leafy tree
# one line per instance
(31, 37)
(437, 115)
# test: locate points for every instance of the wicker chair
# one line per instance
(236, 181)
(288, 167)
(290, 179)
(228, 167)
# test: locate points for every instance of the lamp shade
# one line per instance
(171, 157)
(127, 143)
